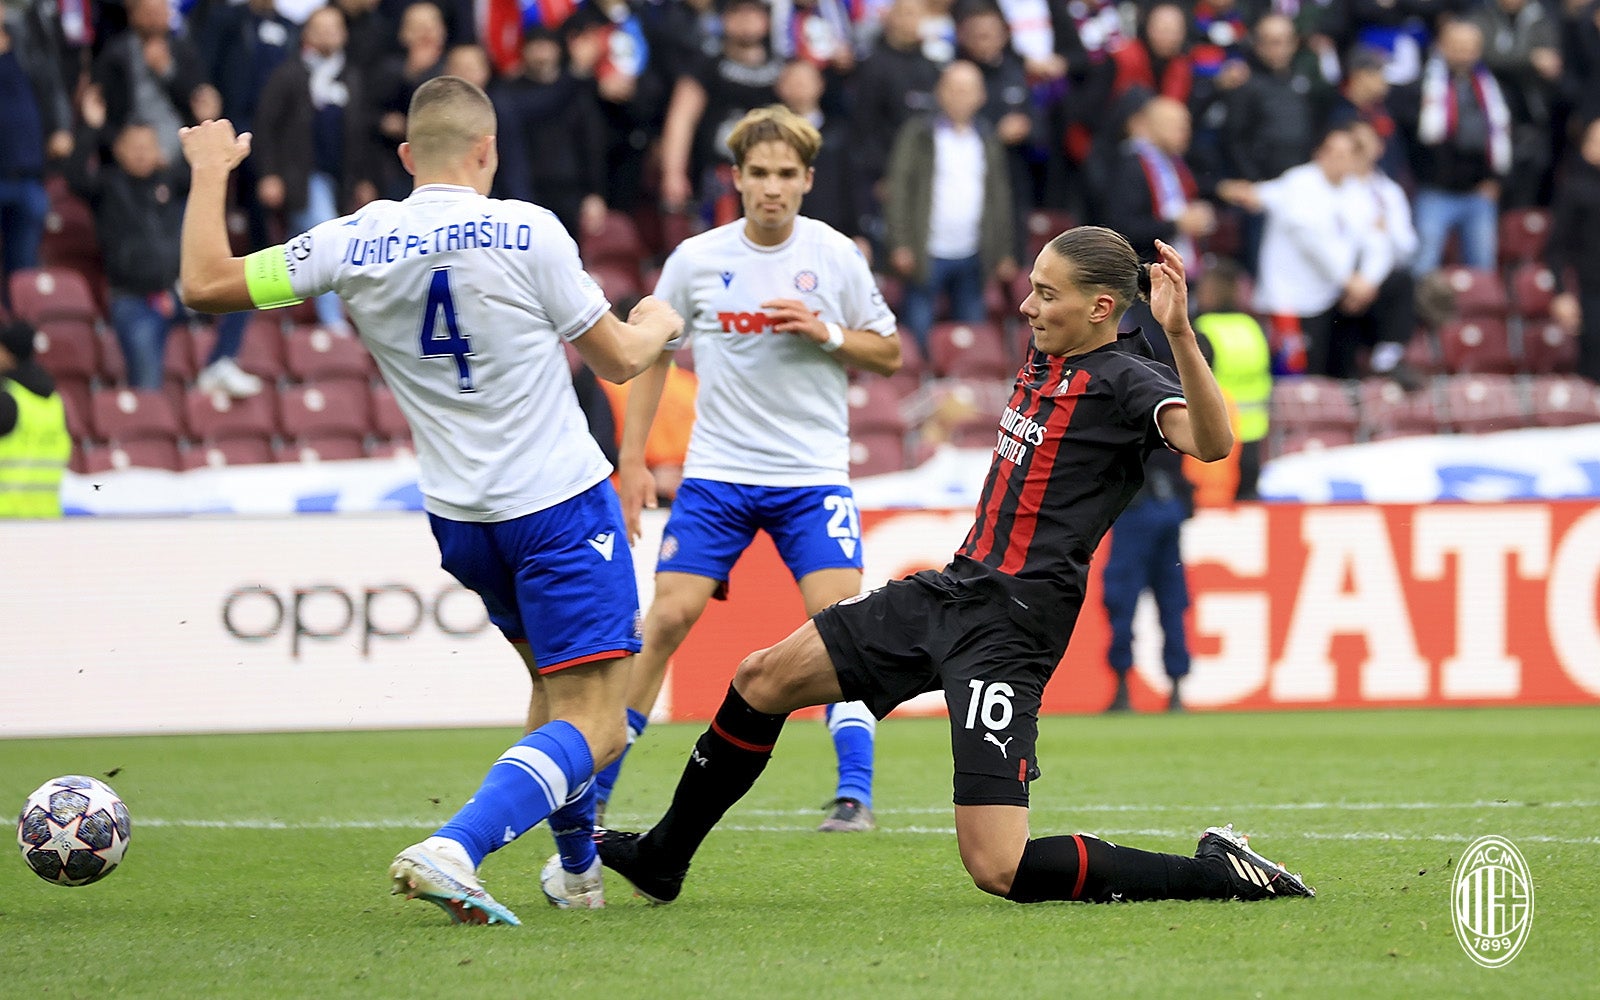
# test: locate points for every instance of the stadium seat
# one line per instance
(617, 242)
(976, 431)
(40, 295)
(1523, 232)
(1532, 287)
(1476, 345)
(76, 400)
(905, 384)
(1044, 225)
(1477, 293)
(1548, 347)
(1422, 353)
(231, 451)
(340, 408)
(1312, 403)
(68, 351)
(998, 304)
(215, 417)
(126, 415)
(1388, 411)
(970, 350)
(1563, 400)
(178, 364)
(619, 282)
(313, 354)
(69, 232)
(1479, 404)
(321, 448)
(894, 291)
(261, 352)
(387, 419)
(876, 453)
(392, 448)
(152, 453)
(1289, 442)
(874, 406)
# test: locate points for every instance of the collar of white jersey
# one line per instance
(744, 238)
(440, 191)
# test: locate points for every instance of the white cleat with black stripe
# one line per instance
(1253, 876)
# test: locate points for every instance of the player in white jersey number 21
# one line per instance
(776, 305)
(464, 302)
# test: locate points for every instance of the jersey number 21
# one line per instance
(441, 334)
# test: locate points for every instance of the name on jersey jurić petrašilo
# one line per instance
(479, 234)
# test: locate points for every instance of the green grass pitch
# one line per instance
(257, 868)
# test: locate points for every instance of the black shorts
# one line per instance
(929, 632)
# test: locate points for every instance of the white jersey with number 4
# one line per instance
(464, 302)
(771, 408)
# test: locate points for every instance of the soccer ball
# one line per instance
(73, 830)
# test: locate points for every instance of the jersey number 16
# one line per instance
(448, 342)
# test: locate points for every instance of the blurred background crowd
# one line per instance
(1391, 206)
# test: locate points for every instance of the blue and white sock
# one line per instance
(530, 781)
(853, 729)
(573, 827)
(606, 781)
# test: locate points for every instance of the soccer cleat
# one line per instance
(1253, 876)
(848, 816)
(572, 890)
(619, 851)
(439, 871)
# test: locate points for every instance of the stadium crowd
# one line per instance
(1409, 188)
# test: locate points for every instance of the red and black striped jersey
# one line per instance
(1069, 456)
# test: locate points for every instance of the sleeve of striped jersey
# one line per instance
(313, 259)
(570, 298)
(863, 303)
(1144, 390)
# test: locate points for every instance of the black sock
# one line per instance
(1087, 868)
(722, 767)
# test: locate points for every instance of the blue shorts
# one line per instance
(712, 523)
(560, 579)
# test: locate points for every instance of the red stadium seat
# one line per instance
(341, 408)
(904, 384)
(75, 399)
(217, 417)
(875, 406)
(40, 295)
(1389, 411)
(1563, 400)
(313, 354)
(877, 453)
(1044, 225)
(617, 242)
(126, 415)
(1478, 404)
(1422, 354)
(152, 453)
(1312, 403)
(261, 352)
(68, 350)
(387, 419)
(892, 289)
(970, 350)
(1292, 441)
(1532, 287)
(69, 233)
(1477, 293)
(321, 448)
(1523, 232)
(1548, 347)
(619, 282)
(178, 364)
(232, 451)
(1476, 345)
(392, 448)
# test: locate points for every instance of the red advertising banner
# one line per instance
(1293, 607)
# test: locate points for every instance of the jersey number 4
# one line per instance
(441, 334)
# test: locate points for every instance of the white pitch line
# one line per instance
(1124, 807)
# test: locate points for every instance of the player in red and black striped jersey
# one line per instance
(1087, 409)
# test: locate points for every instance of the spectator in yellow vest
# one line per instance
(1242, 364)
(34, 443)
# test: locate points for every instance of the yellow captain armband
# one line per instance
(266, 277)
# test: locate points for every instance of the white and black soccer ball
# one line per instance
(73, 830)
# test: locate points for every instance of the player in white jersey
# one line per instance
(776, 306)
(464, 302)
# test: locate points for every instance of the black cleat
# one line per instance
(619, 851)
(1253, 876)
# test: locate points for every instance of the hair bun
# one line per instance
(1144, 282)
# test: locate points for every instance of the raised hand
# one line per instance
(212, 145)
(1169, 292)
